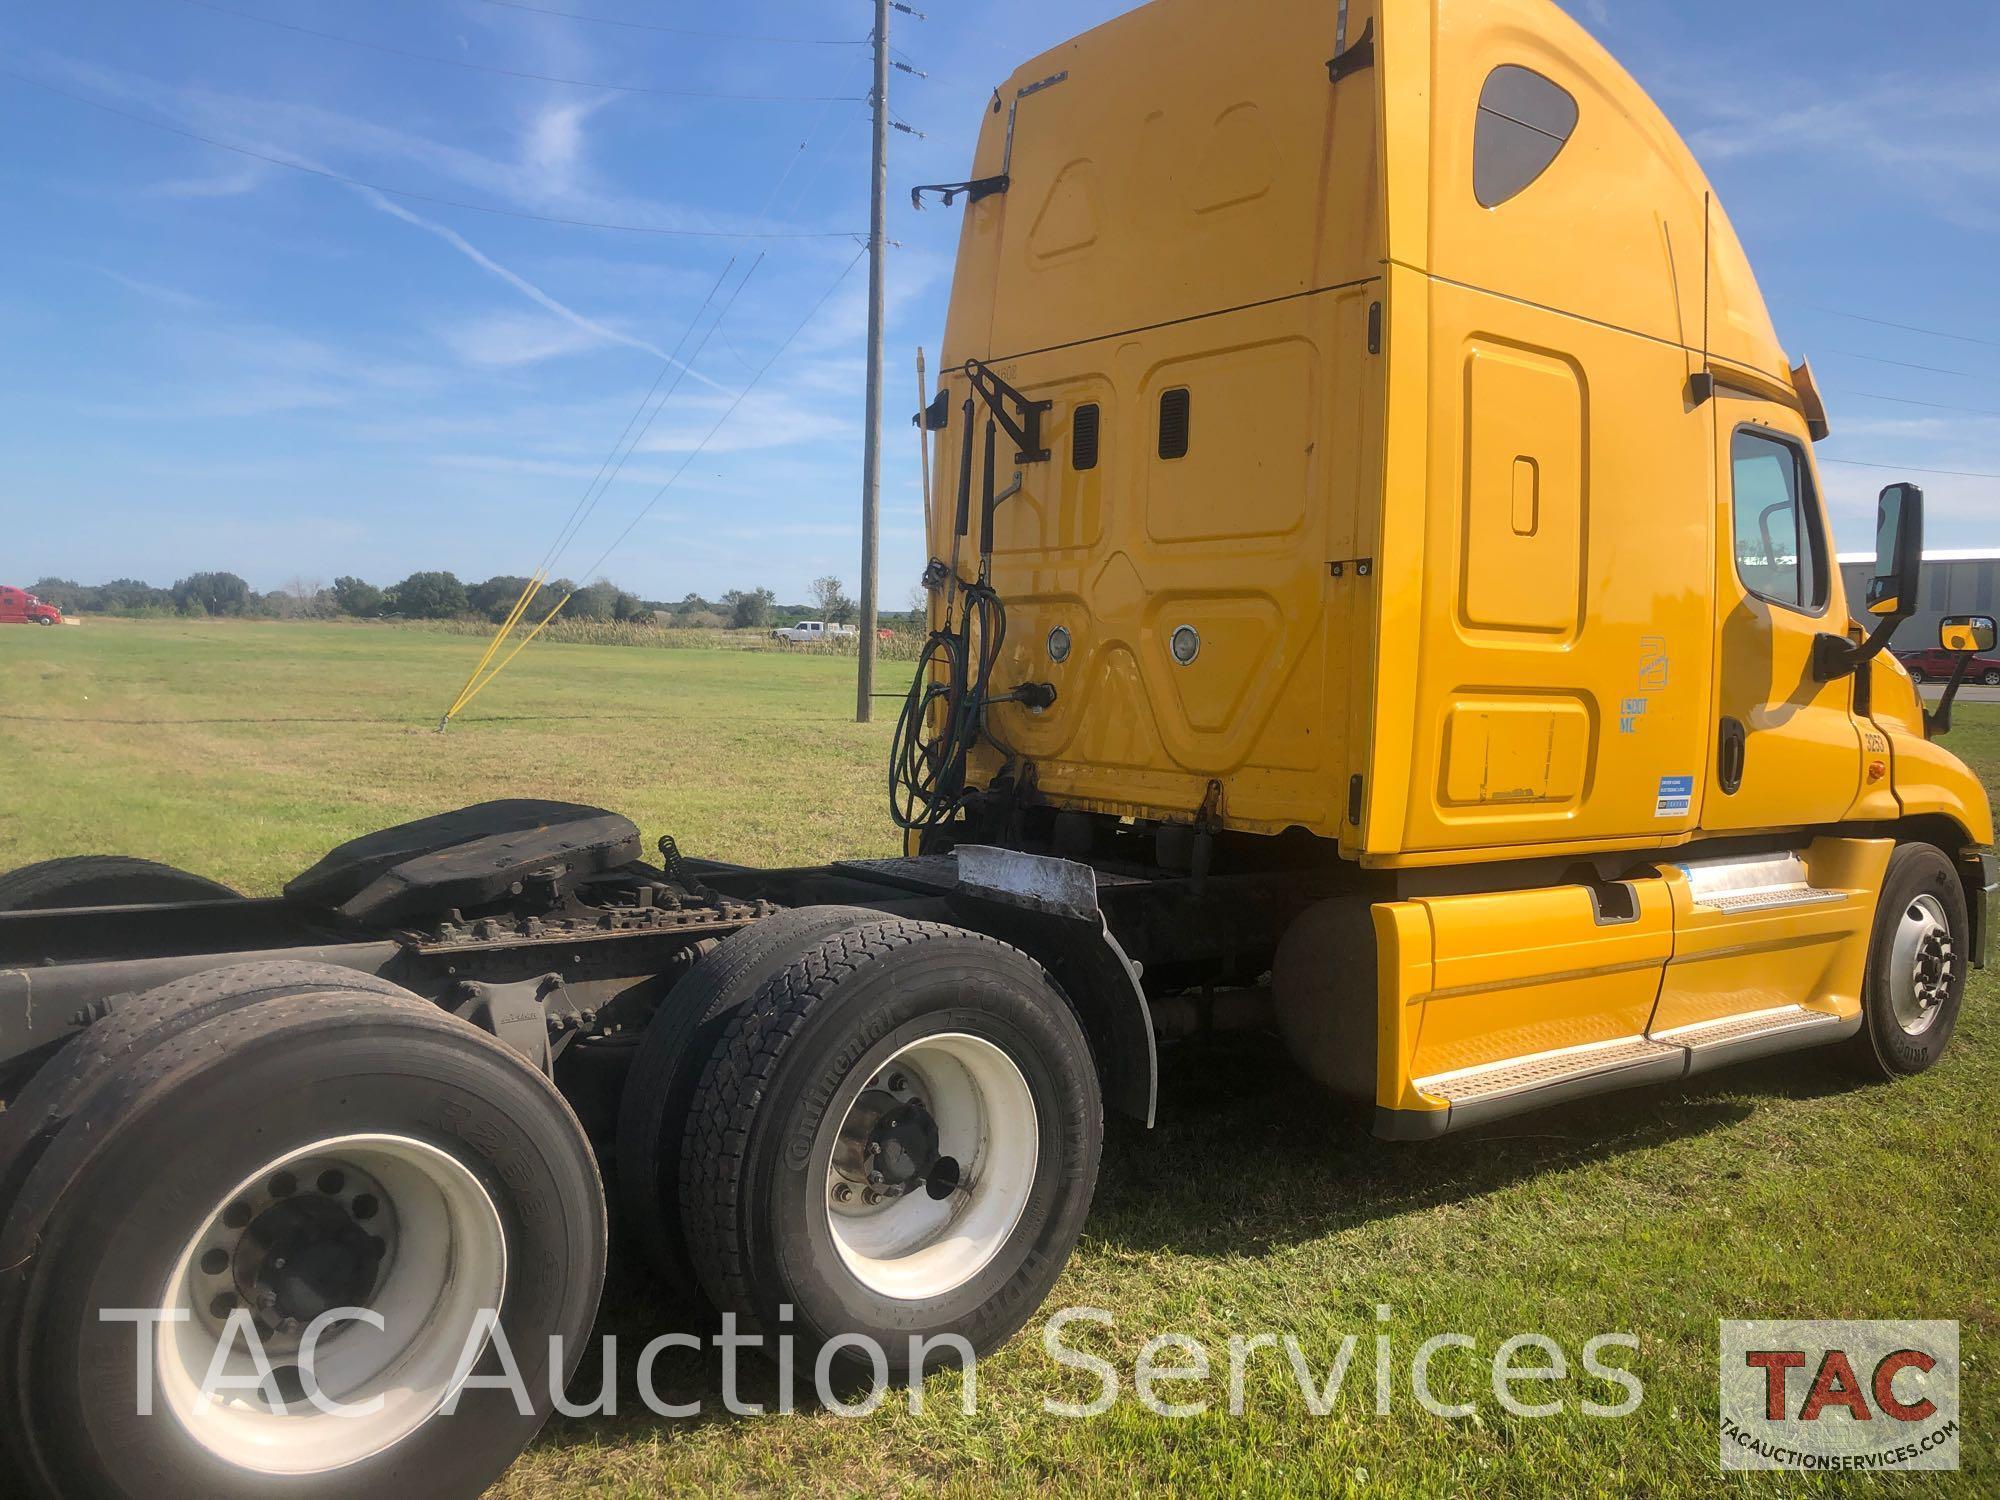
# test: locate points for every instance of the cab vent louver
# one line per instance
(1174, 423)
(1083, 438)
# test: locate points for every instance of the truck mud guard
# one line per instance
(1048, 908)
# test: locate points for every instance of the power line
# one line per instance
(606, 472)
(1976, 411)
(416, 197)
(1855, 463)
(570, 531)
(1904, 364)
(1936, 333)
(720, 421)
(476, 67)
(713, 36)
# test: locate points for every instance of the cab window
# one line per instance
(1780, 554)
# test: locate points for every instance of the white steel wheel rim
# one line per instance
(917, 1245)
(1920, 964)
(443, 1262)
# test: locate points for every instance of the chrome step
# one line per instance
(1764, 900)
(1512, 1085)
(1761, 882)
(1545, 1070)
(1759, 1033)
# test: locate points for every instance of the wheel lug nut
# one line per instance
(897, 1083)
(842, 1192)
(875, 1177)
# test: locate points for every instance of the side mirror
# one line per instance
(1967, 635)
(1892, 592)
(1973, 633)
(1899, 551)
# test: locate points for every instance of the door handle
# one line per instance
(1731, 746)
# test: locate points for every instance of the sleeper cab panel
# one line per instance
(1469, 980)
(1738, 962)
(1566, 588)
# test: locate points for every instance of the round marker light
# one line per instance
(1059, 644)
(1185, 644)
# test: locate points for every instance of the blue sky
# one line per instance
(216, 362)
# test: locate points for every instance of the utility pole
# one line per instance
(871, 443)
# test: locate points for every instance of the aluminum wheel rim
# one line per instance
(1920, 964)
(442, 1261)
(912, 1242)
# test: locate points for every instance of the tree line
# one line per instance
(433, 595)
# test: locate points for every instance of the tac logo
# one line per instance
(1832, 1397)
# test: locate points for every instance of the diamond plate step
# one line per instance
(1543, 1070)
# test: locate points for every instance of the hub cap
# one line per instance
(1920, 965)
(386, 1223)
(932, 1167)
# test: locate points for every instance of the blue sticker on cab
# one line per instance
(1676, 797)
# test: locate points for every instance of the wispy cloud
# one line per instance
(514, 279)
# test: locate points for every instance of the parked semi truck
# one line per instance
(1378, 556)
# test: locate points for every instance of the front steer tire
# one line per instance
(1914, 983)
(758, 1170)
(121, 1209)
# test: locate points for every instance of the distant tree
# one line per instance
(596, 601)
(751, 609)
(128, 596)
(211, 594)
(300, 599)
(496, 597)
(353, 597)
(632, 608)
(66, 594)
(831, 600)
(428, 596)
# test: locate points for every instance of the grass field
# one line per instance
(1775, 1190)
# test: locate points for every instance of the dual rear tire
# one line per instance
(889, 1133)
(225, 1160)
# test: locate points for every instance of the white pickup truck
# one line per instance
(812, 632)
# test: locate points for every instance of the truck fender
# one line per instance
(1048, 909)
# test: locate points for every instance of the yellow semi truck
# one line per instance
(1380, 584)
(1419, 482)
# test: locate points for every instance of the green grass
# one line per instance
(1780, 1189)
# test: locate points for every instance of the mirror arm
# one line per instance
(1835, 656)
(1937, 720)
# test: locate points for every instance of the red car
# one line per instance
(1935, 664)
(19, 607)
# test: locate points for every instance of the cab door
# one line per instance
(1787, 749)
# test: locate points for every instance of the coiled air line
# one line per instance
(944, 716)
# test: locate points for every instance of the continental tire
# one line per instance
(410, 1163)
(961, 1065)
(1917, 952)
(653, 1110)
(59, 1087)
(103, 880)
